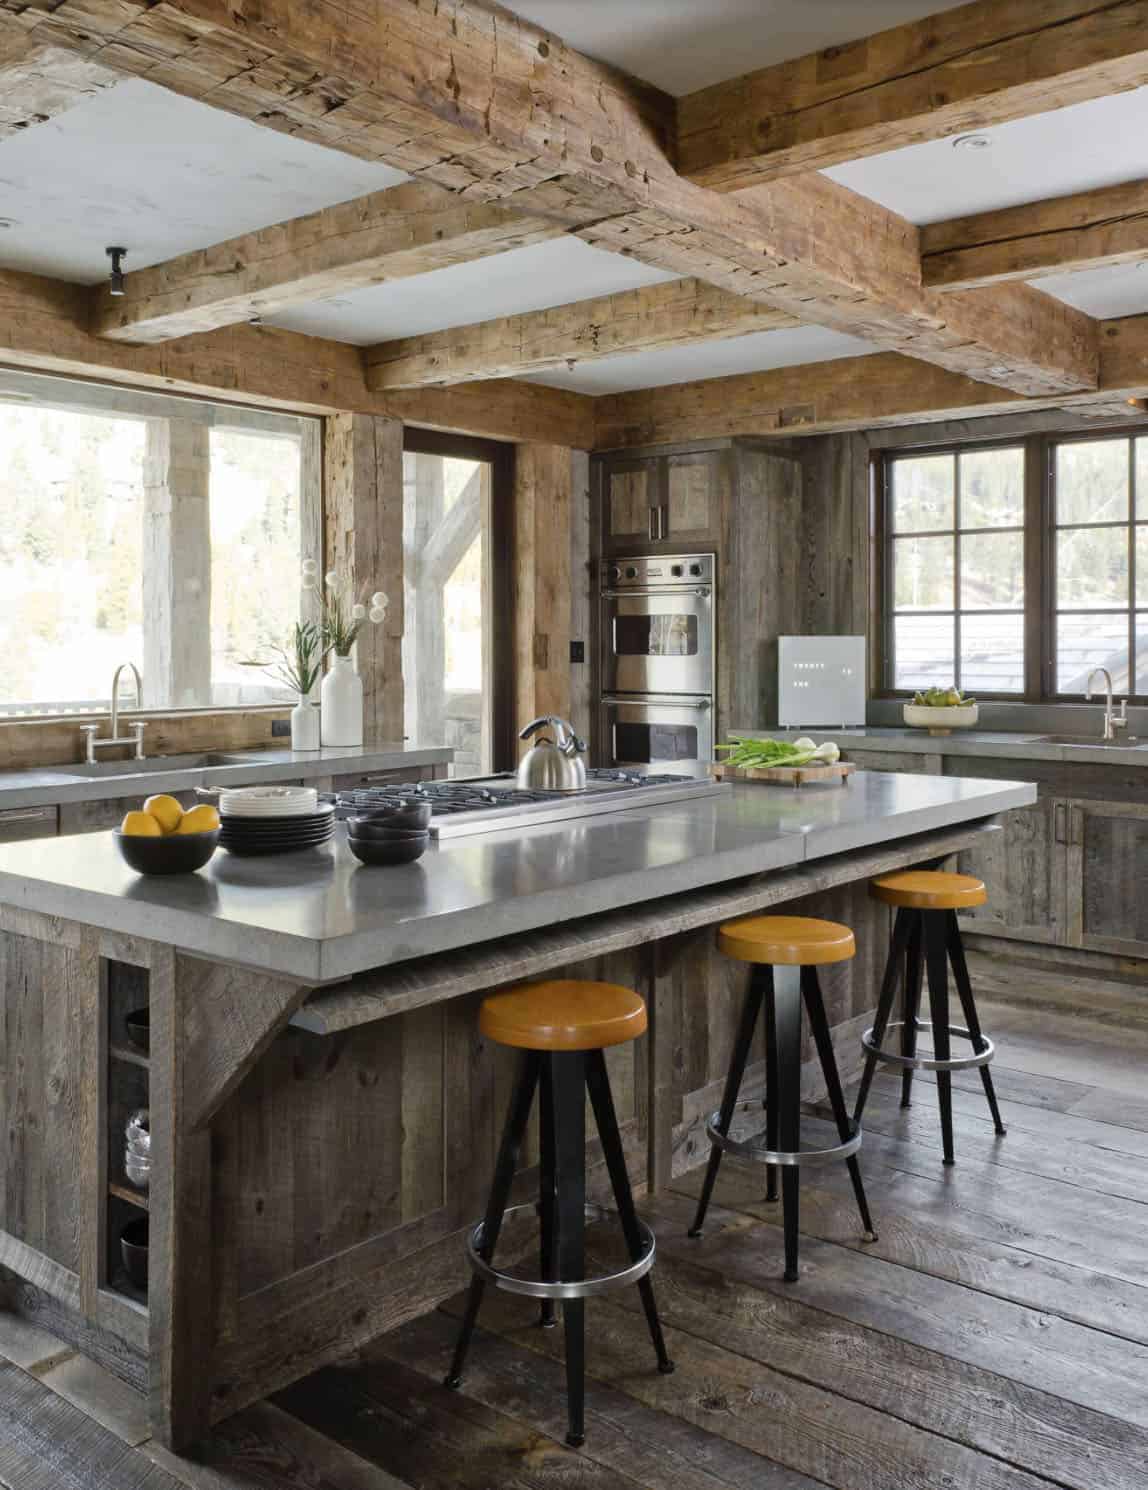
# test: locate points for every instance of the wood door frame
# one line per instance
(500, 457)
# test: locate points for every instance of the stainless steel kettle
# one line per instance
(553, 765)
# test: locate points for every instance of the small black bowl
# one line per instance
(138, 1027)
(389, 851)
(134, 1250)
(174, 853)
(404, 814)
(358, 828)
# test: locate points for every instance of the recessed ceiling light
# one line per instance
(971, 142)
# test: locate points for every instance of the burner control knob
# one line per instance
(631, 572)
(615, 572)
(695, 569)
(676, 570)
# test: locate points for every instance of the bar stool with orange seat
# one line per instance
(927, 938)
(785, 952)
(562, 1028)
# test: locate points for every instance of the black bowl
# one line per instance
(389, 851)
(134, 1250)
(174, 853)
(138, 1026)
(404, 814)
(358, 827)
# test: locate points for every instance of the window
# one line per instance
(956, 570)
(958, 546)
(140, 528)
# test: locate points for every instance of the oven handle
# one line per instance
(659, 701)
(701, 590)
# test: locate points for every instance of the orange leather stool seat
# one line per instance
(563, 1014)
(929, 890)
(786, 941)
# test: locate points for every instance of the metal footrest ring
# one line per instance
(752, 1148)
(928, 1062)
(585, 1288)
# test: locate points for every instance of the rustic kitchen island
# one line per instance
(323, 1112)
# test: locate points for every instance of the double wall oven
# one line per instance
(657, 662)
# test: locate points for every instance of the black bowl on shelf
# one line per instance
(393, 850)
(134, 1250)
(138, 1027)
(409, 815)
(174, 853)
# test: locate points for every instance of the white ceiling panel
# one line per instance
(1107, 293)
(681, 45)
(1046, 155)
(534, 278)
(757, 352)
(141, 166)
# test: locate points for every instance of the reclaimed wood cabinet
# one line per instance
(27, 822)
(1105, 850)
(653, 503)
(1024, 870)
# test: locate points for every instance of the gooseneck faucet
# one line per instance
(135, 739)
(1112, 722)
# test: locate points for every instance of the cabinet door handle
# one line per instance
(1076, 827)
(1058, 823)
(664, 521)
(653, 524)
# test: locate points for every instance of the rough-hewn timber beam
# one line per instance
(1106, 226)
(38, 82)
(487, 105)
(43, 326)
(683, 312)
(405, 230)
(978, 65)
(854, 393)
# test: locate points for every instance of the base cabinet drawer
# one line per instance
(354, 780)
(27, 822)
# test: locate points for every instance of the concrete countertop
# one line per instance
(1005, 744)
(51, 785)
(321, 916)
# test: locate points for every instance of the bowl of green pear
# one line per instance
(941, 710)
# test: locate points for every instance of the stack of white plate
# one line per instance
(267, 801)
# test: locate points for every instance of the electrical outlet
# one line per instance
(577, 651)
(280, 729)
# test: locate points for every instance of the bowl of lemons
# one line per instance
(164, 837)
(941, 710)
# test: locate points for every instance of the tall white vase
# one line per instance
(305, 725)
(342, 704)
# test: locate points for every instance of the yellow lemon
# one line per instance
(166, 811)
(141, 825)
(201, 819)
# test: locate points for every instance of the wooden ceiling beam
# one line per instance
(44, 328)
(681, 313)
(884, 389)
(392, 234)
(1063, 234)
(491, 107)
(965, 69)
(39, 82)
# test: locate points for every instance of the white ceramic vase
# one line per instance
(305, 725)
(342, 704)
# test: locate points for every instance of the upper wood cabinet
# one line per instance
(662, 502)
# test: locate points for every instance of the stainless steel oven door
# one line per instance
(666, 734)
(657, 641)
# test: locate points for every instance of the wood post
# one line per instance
(542, 613)
(177, 565)
(363, 492)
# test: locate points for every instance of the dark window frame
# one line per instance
(1040, 607)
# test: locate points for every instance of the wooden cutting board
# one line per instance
(784, 775)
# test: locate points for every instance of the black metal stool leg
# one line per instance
(819, 1025)
(568, 1070)
(897, 947)
(968, 1005)
(914, 973)
(602, 1100)
(507, 1162)
(742, 1044)
(937, 965)
(770, 1080)
(787, 998)
(547, 1199)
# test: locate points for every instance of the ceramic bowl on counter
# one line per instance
(409, 816)
(375, 843)
(941, 720)
(174, 853)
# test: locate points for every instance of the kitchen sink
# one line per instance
(1090, 740)
(158, 764)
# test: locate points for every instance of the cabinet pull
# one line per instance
(1076, 827)
(30, 815)
(1058, 822)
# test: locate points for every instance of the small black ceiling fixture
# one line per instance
(117, 256)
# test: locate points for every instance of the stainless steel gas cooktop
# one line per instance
(486, 803)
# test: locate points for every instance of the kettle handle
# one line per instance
(564, 737)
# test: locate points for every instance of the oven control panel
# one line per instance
(658, 573)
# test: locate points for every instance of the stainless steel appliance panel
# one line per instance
(658, 625)
(667, 733)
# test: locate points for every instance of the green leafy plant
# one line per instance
(298, 665)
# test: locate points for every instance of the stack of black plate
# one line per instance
(277, 835)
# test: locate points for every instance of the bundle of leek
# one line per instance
(751, 753)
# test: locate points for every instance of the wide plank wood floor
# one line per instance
(994, 1337)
